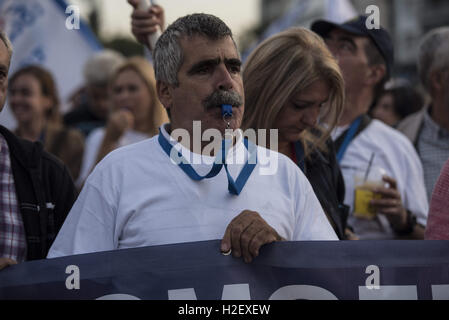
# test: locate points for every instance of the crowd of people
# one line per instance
(103, 176)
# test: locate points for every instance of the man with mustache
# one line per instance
(137, 195)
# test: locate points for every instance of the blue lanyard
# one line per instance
(184, 165)
(299, 153)
(234, 187)
(348, 138)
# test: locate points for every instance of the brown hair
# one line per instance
(8, 45)
(281, 67)
(48, 89)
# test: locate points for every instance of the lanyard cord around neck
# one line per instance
(234, 186)
(350, 134)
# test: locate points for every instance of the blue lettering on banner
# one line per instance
(23, 16)
(325, 270)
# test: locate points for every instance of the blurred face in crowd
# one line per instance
(4, 67)
(130, 92)
(384, 110)
(97, 96)
(26, 99)
(301, 112)
(349, 50)
(209, 66)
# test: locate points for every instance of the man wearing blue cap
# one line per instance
(365, 56)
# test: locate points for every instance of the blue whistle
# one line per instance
(226, 110)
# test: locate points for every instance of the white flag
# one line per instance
(43, 33)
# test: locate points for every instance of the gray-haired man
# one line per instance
(36, 190)
(429, 129)
(137, 196)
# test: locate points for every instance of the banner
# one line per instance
(343, 270)
(47, 33)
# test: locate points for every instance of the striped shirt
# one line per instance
(433, 149)
(12, 232)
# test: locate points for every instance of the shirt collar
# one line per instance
(197, 158)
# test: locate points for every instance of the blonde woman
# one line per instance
(136, 113)
(293, 84)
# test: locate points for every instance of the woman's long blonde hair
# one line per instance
(143, 68)
(281, 67)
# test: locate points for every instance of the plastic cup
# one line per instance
(363, 192)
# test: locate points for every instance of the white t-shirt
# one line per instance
(397, 156)
(93, 144)
(136, 196)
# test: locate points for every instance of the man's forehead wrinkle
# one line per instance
(212, 61)
(233, 60)
(217, 52)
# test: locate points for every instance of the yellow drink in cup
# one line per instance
(363, 192)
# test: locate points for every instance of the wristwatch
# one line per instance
(410, 225)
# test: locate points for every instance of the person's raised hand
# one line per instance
(118, 122)
(246, 233)
(146, 23)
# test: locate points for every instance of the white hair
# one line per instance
(7, 43)
(100, 67)
(433, 54)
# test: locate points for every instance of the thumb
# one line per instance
(226, 241)
(134, 3)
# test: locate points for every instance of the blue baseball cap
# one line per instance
(357, 26)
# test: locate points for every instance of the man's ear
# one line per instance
(437, 81)
(376, 73)
(164, 92)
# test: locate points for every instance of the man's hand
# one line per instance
(350, 235)
(5, 262)
(391, 204)
(246, 234)
(144, 23)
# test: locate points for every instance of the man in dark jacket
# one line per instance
(36, 190)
